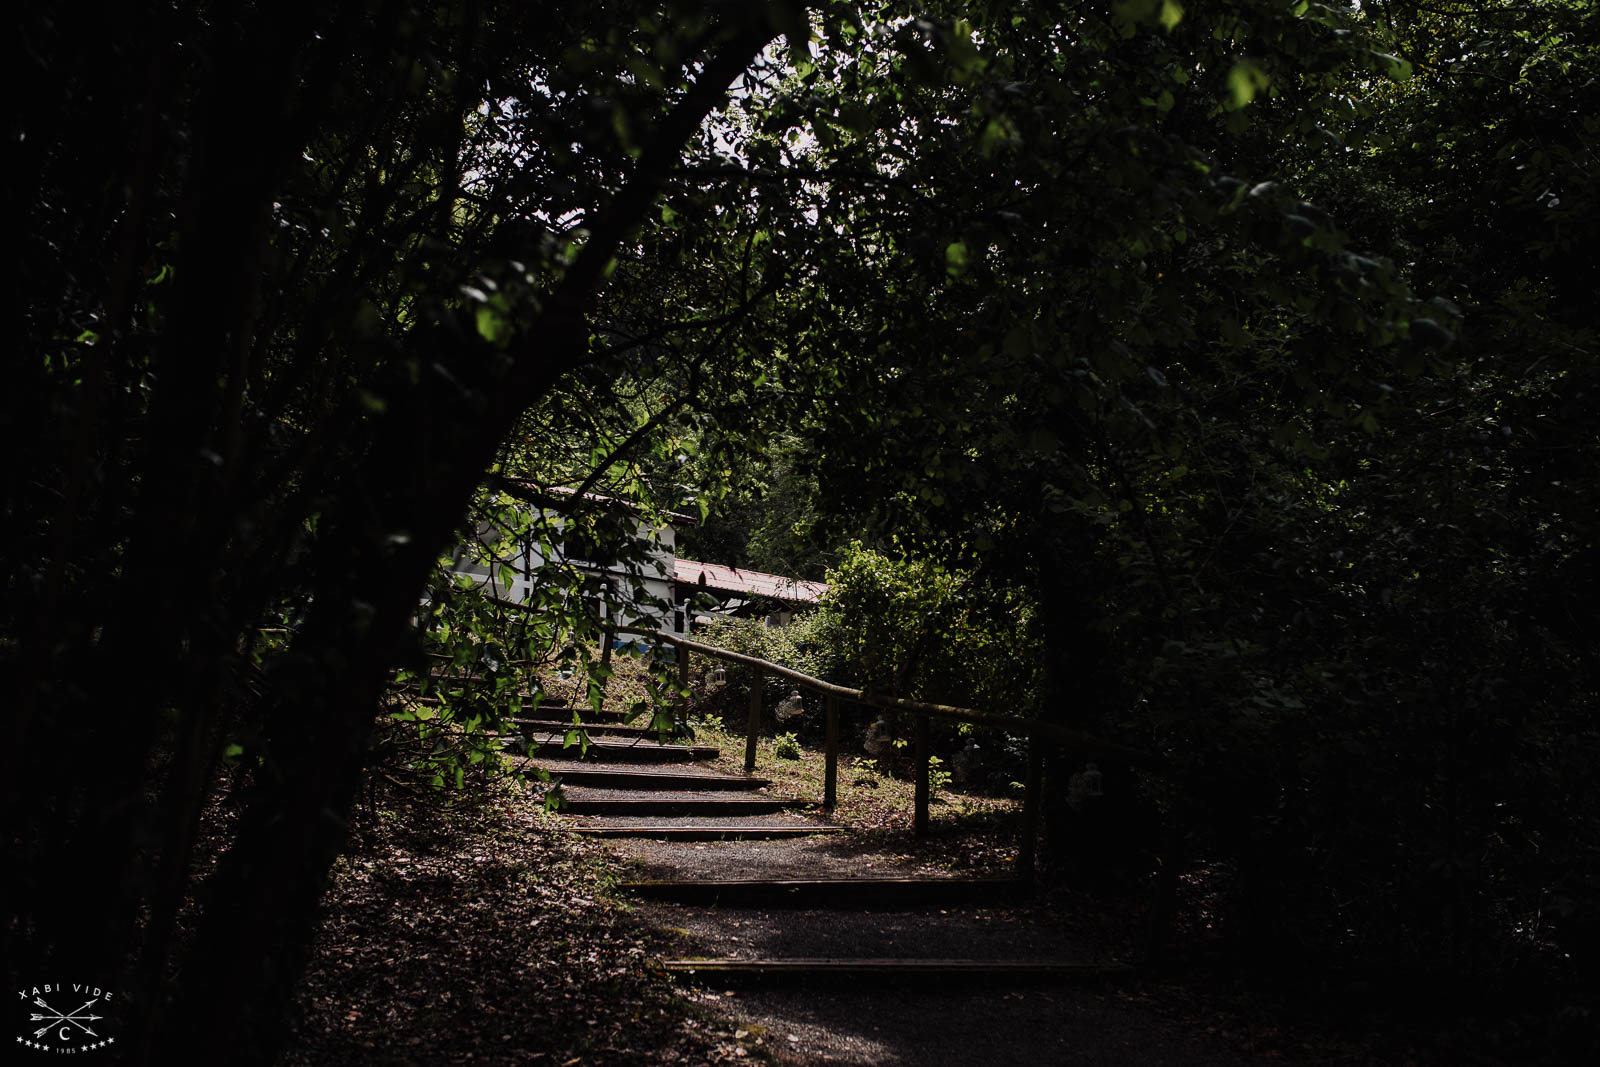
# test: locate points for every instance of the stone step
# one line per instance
(561, 717)
(830, 892)
(703, 832)
(605, 729)
(547, 704)
(883, 972)
(625, 776)
(581, 801)
(633, 751)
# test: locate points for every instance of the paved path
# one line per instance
(823, 950)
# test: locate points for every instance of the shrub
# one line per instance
(785, 746)
(916, 629)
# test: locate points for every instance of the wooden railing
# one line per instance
(1037, 731)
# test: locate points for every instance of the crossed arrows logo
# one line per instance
(55, 1018)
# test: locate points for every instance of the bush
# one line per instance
(786, 746)
(905, 627)
(915, 629)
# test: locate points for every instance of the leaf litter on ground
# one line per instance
(474, 929)
(486, 934)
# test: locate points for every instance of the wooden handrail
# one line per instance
(1034, 730)
(1016, 724)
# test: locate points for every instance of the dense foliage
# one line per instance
(1280, 523)
(905, 628)
(298, 277)
(1242, 355)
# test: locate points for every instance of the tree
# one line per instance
(299, 275)
(1277, 518)
(1036, 287)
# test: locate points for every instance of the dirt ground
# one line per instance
(493, 936)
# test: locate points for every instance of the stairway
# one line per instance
(815, 914)
(768, 895)
(627, 782)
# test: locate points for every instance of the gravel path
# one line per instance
(1094, 1023)
(712, 822)
(956, 1022)
(968, 1028)
(888, 933)
(832, 856)
(649, 791)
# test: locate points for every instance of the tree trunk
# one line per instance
(1079, 688)
(115, 756)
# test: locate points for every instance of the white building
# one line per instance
(624, 564)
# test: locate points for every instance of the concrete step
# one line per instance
(602, 729)
(546, 707)
(547, 710)
(729, 831)
(625, 776)
(631, 751)
(582, 801)
(884, 972)
(830, 892)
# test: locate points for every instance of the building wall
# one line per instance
(656, 578)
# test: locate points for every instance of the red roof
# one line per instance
(752, 583)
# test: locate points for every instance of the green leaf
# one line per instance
(1245, 80)
(997, 133)
(965, 59)
(1394, 68)
(492, 326)
(956, 259)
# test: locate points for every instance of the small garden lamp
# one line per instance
(1088, 782)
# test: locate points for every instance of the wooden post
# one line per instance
(753, 728)
(1030, 809)
(1165, 907)
(683, 681)
(919, 825)
(830, 766)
